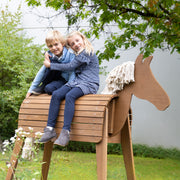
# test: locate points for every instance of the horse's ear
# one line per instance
(148, 60)
(139, 59)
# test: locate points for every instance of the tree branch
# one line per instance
(147, 13)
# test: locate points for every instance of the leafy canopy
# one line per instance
(149, 24)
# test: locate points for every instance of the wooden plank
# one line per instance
(33, 117)
(93, 139)
(77, 113)
(74, 137)
(34, 106)
(92, 127)
(78, 102)
(60, 118)
(90, 97)
(111, 116)
(77, 107)
(85, 132)
(60, 125)
(35, 129)
(80, 132)
(32, 123)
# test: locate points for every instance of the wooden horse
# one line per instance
(100, 119)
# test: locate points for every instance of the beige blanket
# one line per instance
(118, 77)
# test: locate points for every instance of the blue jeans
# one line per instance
(50, 76)
(70, 95)
(54, 85)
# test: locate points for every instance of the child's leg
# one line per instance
(47, 78)
(50, 76)
(57, 96)
(54, 85)
(49, 131)
(71, 97)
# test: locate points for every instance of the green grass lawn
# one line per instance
(82, 166)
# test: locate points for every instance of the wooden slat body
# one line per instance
(88, 119)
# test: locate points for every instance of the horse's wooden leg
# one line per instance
(101, 152)
(46, 159)
(127, 150)
(14, 158)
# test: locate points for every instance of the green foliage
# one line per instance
(149, 24)
(138, 150)
(19, 62)
(155, 152)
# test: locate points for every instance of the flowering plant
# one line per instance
(29, 150)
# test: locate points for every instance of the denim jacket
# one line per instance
(66, 57)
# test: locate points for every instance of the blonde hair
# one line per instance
(54, 35)
(88, 46)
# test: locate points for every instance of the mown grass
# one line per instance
(67, 165)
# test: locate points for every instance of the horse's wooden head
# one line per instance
(146, 86)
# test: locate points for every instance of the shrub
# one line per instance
(138, 150)
(19, 61)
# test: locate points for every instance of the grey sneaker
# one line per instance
(48, 135)
(38, 90)
(63, 138)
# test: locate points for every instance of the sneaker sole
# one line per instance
(61, 144)
(36, 93)
(52, 140)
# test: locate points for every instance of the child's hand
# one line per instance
(28, 94)
(47, 56)
(47, 63)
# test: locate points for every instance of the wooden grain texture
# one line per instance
(87, 122)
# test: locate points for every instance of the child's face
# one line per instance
(76, 43)
(56, 47)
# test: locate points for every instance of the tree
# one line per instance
(19, 62)
(149, 24)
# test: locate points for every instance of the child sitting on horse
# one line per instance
(48, 80)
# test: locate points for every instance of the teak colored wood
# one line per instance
(100, 119)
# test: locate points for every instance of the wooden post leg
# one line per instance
(127, 150)
(46, 159)
(14, 158)
(101, 152)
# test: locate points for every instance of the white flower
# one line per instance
(6, 143)
(20, 128)
(38, 133)
(16, 131)
(12, 139)
(8, 165)
(3, 153)
(30, 128)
